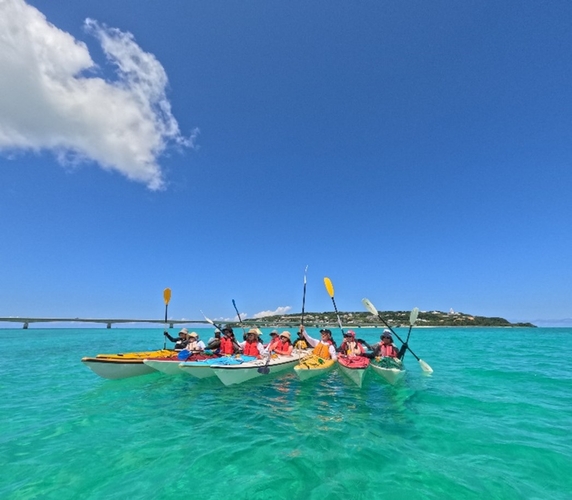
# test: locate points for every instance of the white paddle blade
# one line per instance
(413, 316)
(369, 306)
(305, 271)
(425, 367)
(207, 319)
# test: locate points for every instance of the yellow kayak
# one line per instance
(162, 353)
(123, 365)
(312, 365)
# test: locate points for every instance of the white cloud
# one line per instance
(48, 103)
(277, 312)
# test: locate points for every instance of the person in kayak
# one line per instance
(195, 344)
(214, 342)
(180, 342)
(350, 346)
(228, 343)
(251, 346)
(273, 340)
(284, 345)
(324, 348)
(300, 342)
(385, 348)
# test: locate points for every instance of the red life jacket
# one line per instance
(251, 349)
(388, 350)
(282, 347)
(226, 346)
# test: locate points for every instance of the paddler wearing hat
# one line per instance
(385, 348)
(180, 342)
(325, 347)
(350, 346)
(283, 345)
(195, 344)
(252, 346)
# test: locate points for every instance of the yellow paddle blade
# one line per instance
(167, 295)
(329, 287)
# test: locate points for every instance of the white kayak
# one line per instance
(390, 369)
(204, 368)
(231, 374)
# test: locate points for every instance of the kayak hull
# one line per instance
(354, 368)
(170, 366)
(313, 366)
(123, 365)
(204, 368)
(389, 370)
(237, 374)
(114, 369)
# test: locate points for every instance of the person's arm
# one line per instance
(261, 349)
(364, 343)
(333, 353)
(169, 337)
(310, 340)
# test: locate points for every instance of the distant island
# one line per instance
(394, 318)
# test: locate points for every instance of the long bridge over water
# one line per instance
(26, 322)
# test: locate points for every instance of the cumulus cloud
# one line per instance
(277, 312)
(50, 98)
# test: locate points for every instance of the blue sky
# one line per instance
(416, 153)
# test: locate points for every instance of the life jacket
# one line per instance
(226, 346)
(193, 345)
(301, 344)
(322, 351)
(350, 350)
(272, 344)
(251, 349)
(282, 347)
(388, 350)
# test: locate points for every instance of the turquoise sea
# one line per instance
(494, 420)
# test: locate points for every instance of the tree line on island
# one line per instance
(394, 318)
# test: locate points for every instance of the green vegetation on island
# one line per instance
(394, 318)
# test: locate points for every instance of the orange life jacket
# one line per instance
(282, 347)
(322, 351)
(226, 346)
(251, 349)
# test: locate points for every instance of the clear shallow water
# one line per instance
(494, 421)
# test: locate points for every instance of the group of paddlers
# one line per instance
(225, 343)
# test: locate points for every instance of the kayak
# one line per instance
(203, 369)
(230, 374)
(354, 367)
(390, 369)
(170, 365)
(312, 366)
(123, 365)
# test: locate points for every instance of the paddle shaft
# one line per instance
(166, 298)
(398, 337)
(304, 296)
(238, 314)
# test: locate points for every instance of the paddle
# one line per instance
(208, 320)
(304, 296)
(371, 308)
(166, 298)
(330, 289)
(412, 320)
(238, 314)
